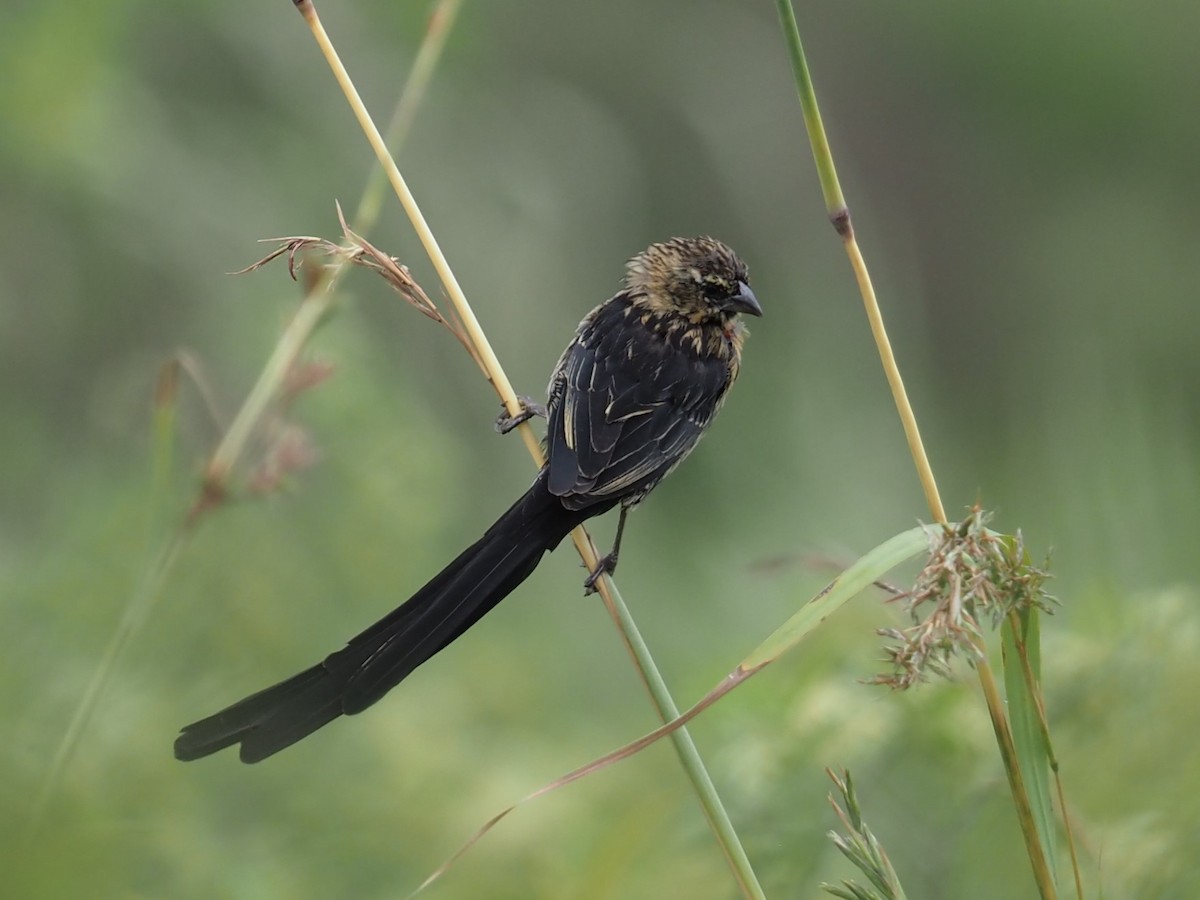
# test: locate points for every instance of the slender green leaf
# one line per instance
(1028, 737)
(868, 569)
(865, 571)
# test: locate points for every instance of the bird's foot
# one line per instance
(529, 408)
(606, 566)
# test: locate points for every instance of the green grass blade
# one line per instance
(1028, 738)
(868, 569)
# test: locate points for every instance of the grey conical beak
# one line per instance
(743, 301)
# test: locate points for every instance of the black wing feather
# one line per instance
(626, 407)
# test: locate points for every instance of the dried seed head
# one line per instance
(973, 575)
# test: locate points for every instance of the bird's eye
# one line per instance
(714, 289)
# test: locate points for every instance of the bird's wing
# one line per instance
(626, 407)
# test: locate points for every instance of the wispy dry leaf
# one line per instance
(358, 251)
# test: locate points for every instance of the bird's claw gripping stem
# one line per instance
(529, 408)
(606, 566)
(608, 562)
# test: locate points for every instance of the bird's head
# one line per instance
(700, 278)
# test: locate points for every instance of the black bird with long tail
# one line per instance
(631, 395)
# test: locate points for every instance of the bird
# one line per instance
(631, 395)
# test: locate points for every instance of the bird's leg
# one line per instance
(608, 562)
(529, 408)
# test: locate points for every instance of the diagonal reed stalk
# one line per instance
(693, 765)
(839, 215)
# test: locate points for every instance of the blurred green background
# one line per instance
(1024, 183)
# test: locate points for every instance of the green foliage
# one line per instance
(862, 848)
(1022, 688)
(1028, 203)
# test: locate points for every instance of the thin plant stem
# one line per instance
(316, 304)
(908, 419)
(494, 371)
(229, 450)
(308, 315)
(429, 54)
(1016, 779)
(689, 756)
(136, 612)
(839, 214)
(822, 154)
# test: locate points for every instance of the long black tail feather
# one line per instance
(375, 661)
